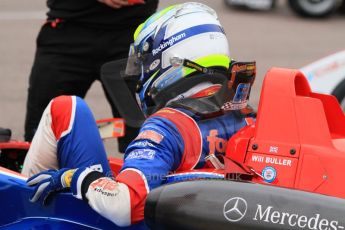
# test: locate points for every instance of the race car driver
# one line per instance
(192, 101)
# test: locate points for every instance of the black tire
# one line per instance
(339, 93)
(243, 6)
(314, 8)
(342, 7)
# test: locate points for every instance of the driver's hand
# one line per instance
(47, 182)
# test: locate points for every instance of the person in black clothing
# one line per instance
(78, 37)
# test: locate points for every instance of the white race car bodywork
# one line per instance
(327, 73)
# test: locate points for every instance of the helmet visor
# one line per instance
(133, 63)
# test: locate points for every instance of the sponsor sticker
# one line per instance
(168, 43)
(141, 154)
(294, 220)
(269, 174)
(168, 78)
(105, 186)
(67, 177)
(154, 64)
(216, 144)
(235, 210)
(150, 135)
(143, 144)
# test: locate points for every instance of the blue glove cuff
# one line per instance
(81, 180)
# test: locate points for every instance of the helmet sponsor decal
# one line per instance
(185, 34)
(168, 78)
(154, 64)
(167, 43)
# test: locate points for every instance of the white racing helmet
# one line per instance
(172, 45)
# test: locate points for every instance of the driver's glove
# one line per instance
(49, 181)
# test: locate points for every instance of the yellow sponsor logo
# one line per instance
(67, 177)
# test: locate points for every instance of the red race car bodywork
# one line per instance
(299, 137)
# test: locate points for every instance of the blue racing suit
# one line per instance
(170, 140)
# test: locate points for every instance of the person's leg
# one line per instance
(42, 87)
(59, 69)
(67, 137)
(42, 152)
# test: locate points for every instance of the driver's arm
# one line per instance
(149, 158)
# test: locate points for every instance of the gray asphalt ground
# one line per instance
(276, 38)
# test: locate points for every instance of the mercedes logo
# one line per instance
(235, 209)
